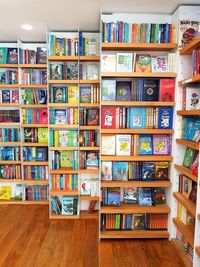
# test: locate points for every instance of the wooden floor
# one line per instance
(29, 239)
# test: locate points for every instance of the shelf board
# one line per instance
(188, 143)
(137, 158)
(11, 124)
(89, 58)
(133, 234)
(89, 81)
(136, 184)
(34, 144)
(139, 74)
(9, 104)
(35, 163)
(186, 202)
(197, 249)
(63, 126)
(187, 172)
(8, 66)
(89, 148)
(34, 106)
(62, 105)
(33, 66)
(9, 85)
(195, 112)
(89, 127)
(194, 79)
(198, 216)
(64, 217)
(128, 208)
(11, 202)
(63, 193)
(33, 86)
(87, 171)
(10, 162)
(138, 47)
(138, 131)
(90, 198)
(34, 125)
(36, 202)
(187, 50)
(63, 171)
(83, 105)
(45, 182)
(63, 58)
(62, 81)
(63, 148)
(84, 215)
(137, 103)
(187, 231)
(20, 181)
(10, 143)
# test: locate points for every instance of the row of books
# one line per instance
(88, 116)
(191, 160)
(10, 153)
(88, 46)
(67, 138)
(64, 182)
(89, 94)
(10, 171)
(9, 135)
(35, 135)
(33, 96)
(89, 71)
(35, 172)
(188, 188)
(64, 159)
(129, 62)
(138, 221)
(8, 76)
(191, 98)
(64, 205)
(89, 160)
(124, 32)
(89, 187)
(32, 76)
(64, 116)
(136, 117)
(34, 116)
(134, 171)
(191, 129)
(61, 94)
(30, 56)
(144, 196)
(196, 62)
(9, 96)
(138, 90)
(185, 245)
(35, 153)
(59, 46)
(8, 55)
(127, 144)
(9, 115)
(88, 138)
(8, 192)
(36, 193)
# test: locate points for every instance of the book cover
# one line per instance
(108, 117)
(130, 195)
(138, 222)
(59, 94)
(114, 196)
(186, 186)
(63, 138)
(85, 187)
(41, 56)
(120, 171)
(73, 94)
(187, 31)
(159, 195)
(124, 62)
(92, 161)
(29, 134)
(42, 96)
(92, 71)
(123, 144)
(42, 135)
(192, 129)
(165, 117)
(195, 165)
(43, 116)
(85, 94)
(66, 159)
(151, 90)
(137, 117)
(161, 144)
(12, 56)
(123, 91)
(145, 196)
(167, 88)
(93, 117)
(148, 171)
(60, 116)
(145, 145)
(108, 63)
(106, 171)
(188, 157)
(108, 90)
(72, 71)
(56, 71)
(18, 192)
(67, 205)
(6, 96)
(3, 55)
(41, 154)
(159, 63)
(192, 98)
(162, 170)
(5, 192)
(193, 193)
(15, 96)
(108, 144)
(143, 63)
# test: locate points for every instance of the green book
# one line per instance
(42, 135)
(3, 55)
(66, 159)
(189, 157)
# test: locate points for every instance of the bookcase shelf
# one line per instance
(84, 215)
(20, 181)
(136, 184)
(89, 58)
(86, 127)
(186, 202)
(11, 202)
(61, 148)
(85, 105)
(128, 208)
(186, 172)
(10, 124)
(88, 148)
(133, 234)
(194, 79)
(64, 217)
(10, 162)
(63, 81)
(137, 158)
(195, 112)
(87, 171)
(34, 106)
(34, 144)
(34, 125)
(33, 66)
(9, 105)
(197, 249)
(63, 171)
(187, 231)
(35, 163)
(63, 192)
(138, 74)
(35, 86)
(8, 66)
(42, 182)
(89, 81)
(10, 143)
(188, 143)
(62, 105)
(137, 47)
(63, 126)
(9, 86)
(187, 50)
(137, 103)
(62, 58)
(90, 198)
(138, 131)
(36, 202)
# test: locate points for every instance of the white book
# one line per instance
(192, 98)
(108, 90)
(108, 145)
(123, 144)
(124, 62)
(106, 171)
(108, 63)
(85, 187)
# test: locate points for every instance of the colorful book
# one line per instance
(42, 135)
(161, 144)
(60, 116)
(56, 71)
(93, 117)
(145, 145)
(120, 171)
(151, 90)
(108, 63)
(108, 90)
(123, 91)
(145, 196)
(59, 94)
(148, 171)
(137, 118)
(188, 29)
(85, 94)
(114, 196)
(106, 171)
(138, 222)
(130, 195)
(123, 144)
(167, 88)
(165, 117)
(108, 117)
(143, 63)
(124, 62)
(108, 144)
(188, 157)
(73, 94)
(159, 63)
(66, 159)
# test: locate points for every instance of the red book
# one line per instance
(108, 118)
(166, 92)
(43, 116)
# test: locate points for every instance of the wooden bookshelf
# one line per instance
(64, 217)
(8, 66)
(2, 162)
(91, 127)
(34, 125)
(193, 79)
(188, 143)
(9, 105)
(187, 50)
(10, 124)
(138, 74)
(42, 182)
(33, 66)
(62, 58)
(11, 202)
(36, 202)
(35, 163)
(88, 171)
(88, 148)
(187, 172)
(10, 143)
(63, 81)
(34, 106)
(35, 86)
(89, 58)
(128, 208)
(186, 202)
(136, 184)
(33, 144)
(89, 81)
(92, 105)
(137, 47)
(63, 171)
(137, 158)
(63, 126)
(63, 193)
(137, 103)
(63, 148)
(84, 215)
(198, 216)
(62, 105)
(195, 112)
(138, 131)
(187, 231)
(9, 86)
(90, 198)
(20, 181)
(197, 249)
(109, 234)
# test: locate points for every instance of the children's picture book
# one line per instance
(63, 138)
(114, 196)
(108, 117)
(12, 56)
(159, 63)
(165, 117)
(123, 91)
(143, 63)
(5, 192)
(108, 145)
(188, 157)
(59, 94)
(73, 94)
(108, 90)
(188, 29)
(56, 71)
(145, 196)
(148, 171)
(72, 71)
(120, 171)
(106, 171)
(85, 187)
(66, 159)
(130, 195)
(92, 161)
(43, 116)
(42, 135)
(124, 62)
(85, 94)
(162, 170)
(138, 221)
(192, 98)
(159, 195)
(15, 96)
(151, 90)
(137, 117)
(108, 63)
(145, 145)
(186, 186)
(161, 144)
(123, 144)
(67, 205)
(167, 88)
(92, 71)
(3, 55)
(93, 117)
(6, 96)
(60, 116)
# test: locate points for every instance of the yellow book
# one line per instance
(56, 138)
(5, 192)
(73, 94)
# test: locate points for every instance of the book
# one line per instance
(130, 195)
(5, 192)
(15, 96)
(159, 195)
(120, 171)
(85, 94)
(143, 63)
(124, 62)
(42, 135)
(136, 118)
(108, 145)
(12, 56)
(167, 88)
(188, 29)
(108, 90)
(92, 71)
(138, 221)
(6, 96)
(161, 144)
(56, 71)
(123, 144)
(188, 157)
(145, 196)
(114, 196)
(151, 90)
(165, 117)
(108, 117)
(195, 165)
(3, 55)
(85, 187)
(41, 55)
(72, 71)
(92, 116)
(145, 145)
(192, 98)
(186, 186)
(73, 94)
(108, 63)
(67, 205)
(92, 161)
(60, 116)
(59, 94)
(43, 116)
(66, 159)
(148, 171)
(193, 193)
(106, 171)
(159, 63)
(162, 170)
(123, 91)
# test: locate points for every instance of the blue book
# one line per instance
(192, 129)
(120, 171)
(167, 31)
(80, 44)
(145, 145)
(145, 196)
(165, 117)
(137, 118)
(114, 196)
(148, 171)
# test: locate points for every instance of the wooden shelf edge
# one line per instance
(137, 103)
(63, 217)
(187, 203)
(134, 234)
(185, 230)
(63, 193)
(136, 183)
(188, 143)
(187, 50)
(187, 172)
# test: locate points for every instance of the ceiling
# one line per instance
(69, 15)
